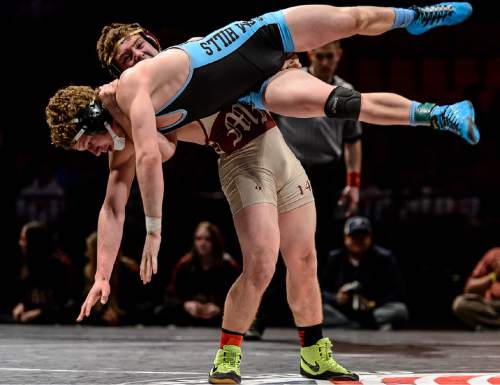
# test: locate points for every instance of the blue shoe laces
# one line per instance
(432, 14)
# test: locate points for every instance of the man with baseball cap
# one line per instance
(362, 284)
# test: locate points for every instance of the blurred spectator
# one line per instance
(126, 302)
(43, 199)
(479, 306)
(201, 280)
(46, 281)
(361, 283)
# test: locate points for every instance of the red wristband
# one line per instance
(353, 179)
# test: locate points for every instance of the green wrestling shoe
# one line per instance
(226, 368)
(316, 362)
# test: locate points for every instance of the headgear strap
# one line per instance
(94, 118)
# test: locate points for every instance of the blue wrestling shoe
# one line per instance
(457, 118)
(437, 15)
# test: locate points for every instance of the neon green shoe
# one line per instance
(316, 362)
(226, 368)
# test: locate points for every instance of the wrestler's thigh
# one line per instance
(258, 232)
(312, 26)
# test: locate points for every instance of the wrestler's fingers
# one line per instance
(82, 310)
(155, 265)
(148, 270)
(142, 268)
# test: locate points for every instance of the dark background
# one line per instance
(433, 198)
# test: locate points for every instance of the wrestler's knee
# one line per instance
(343, 103)
(308, 260)
(258, 273)
(303, 263)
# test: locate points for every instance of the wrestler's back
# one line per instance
(164, 76)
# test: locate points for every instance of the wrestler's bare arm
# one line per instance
(112, 213)
(107, 95)
(110, 224)
(134, 99)
(166, 146)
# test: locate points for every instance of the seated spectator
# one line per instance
(125, 304)
(201, 280)
(44, 199)
(46, 278)
(362, 284)
(479, 306)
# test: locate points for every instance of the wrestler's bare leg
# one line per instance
(312, 26)
(297, 228)
(299, 94)
(259, 237)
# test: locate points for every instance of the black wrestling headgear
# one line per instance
(94, 118)
(91, 119)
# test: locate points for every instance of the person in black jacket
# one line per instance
(45, 289)
(203, 276)
(361, 283)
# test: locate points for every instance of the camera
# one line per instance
(354, 289)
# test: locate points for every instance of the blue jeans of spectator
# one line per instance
(389, 313)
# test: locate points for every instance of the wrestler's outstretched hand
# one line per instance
(149, 262)
(101, 290)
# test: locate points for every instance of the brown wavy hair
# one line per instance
(110, 36)
(215, 238)
(61, 111)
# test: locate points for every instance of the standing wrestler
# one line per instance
(252, 153)
(376, 108)
(231, 133)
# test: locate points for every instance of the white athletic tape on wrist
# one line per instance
(153, 224)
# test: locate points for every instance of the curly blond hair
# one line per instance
(62, 109)
(111, 36)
